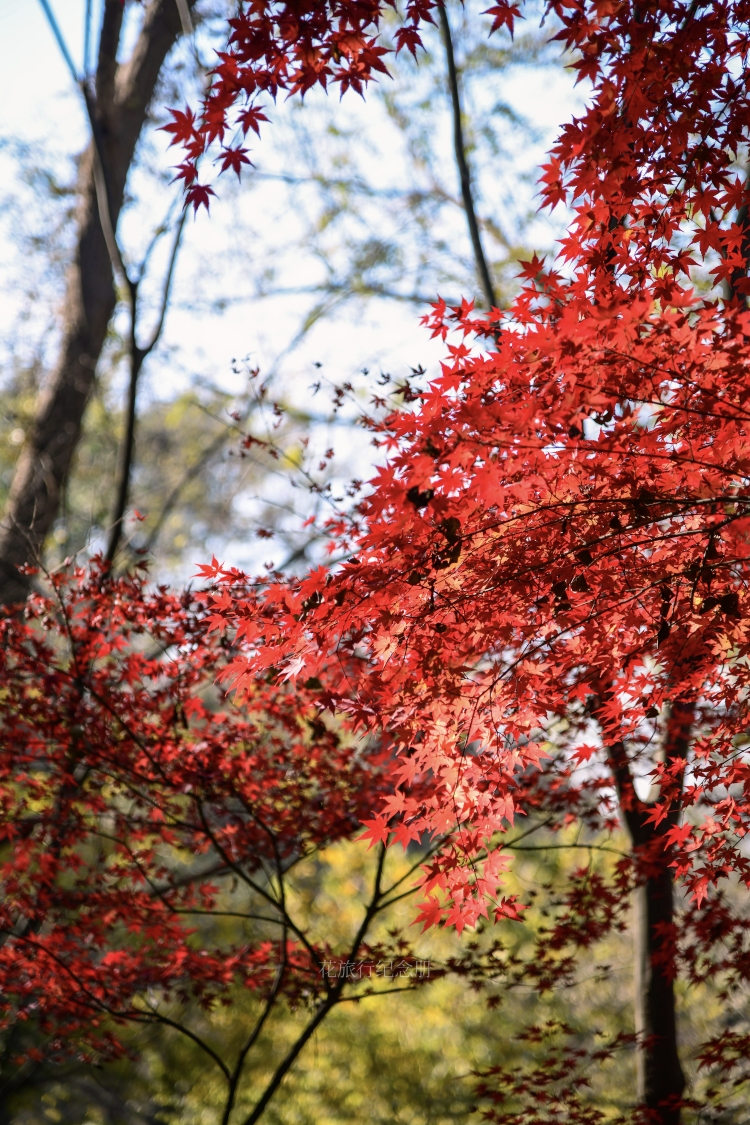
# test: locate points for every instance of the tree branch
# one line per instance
(463, 167)
(60, 40)
(106, 63)
(251, 1039)
(87, 38)
(328, 1004)
(102, 189)
(185, 17)
(286, 1064)
(167, 285)
(137, 357)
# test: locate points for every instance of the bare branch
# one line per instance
(106, 64)
(463, 167)
(60, 40)
(166, 291)
(185, 17)
(103, 198)
(137, 357)
(87, 39)
(253, 1036)
(158, 1017)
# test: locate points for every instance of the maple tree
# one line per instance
(560, 530)
(543, 614)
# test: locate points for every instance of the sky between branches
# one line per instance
(216, 315)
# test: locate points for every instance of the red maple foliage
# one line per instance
(561, 529)
(140, 814)
(544, 613)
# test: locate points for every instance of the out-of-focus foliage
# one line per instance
(399, 1059)
(406, 1059)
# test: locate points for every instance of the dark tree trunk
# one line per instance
(123, 92)
(661, 1081)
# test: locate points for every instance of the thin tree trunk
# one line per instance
(661, 1081)
(660, 1077)
(123, 92)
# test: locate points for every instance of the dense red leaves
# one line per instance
(546, 605)
(561, 527)
(128, 802)
(653, 157)
(655, 163)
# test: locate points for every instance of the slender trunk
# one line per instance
(661, 1081)
(128, 444)
(122, 97)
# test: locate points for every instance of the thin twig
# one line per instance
(87, 38)
(167, 285)
(185, 18)
(278, 980)
(60, 40)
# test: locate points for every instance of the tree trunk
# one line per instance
(122, 95)
(661, 1081)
